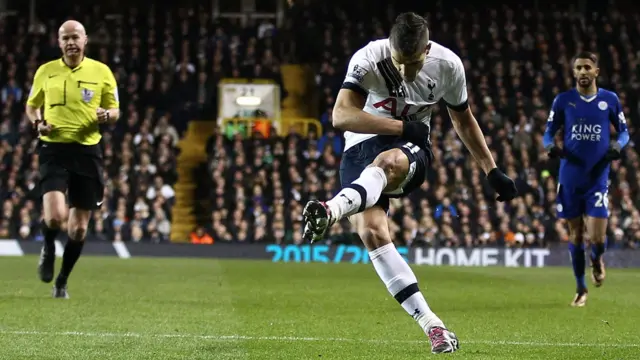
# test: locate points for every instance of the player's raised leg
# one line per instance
(387, 172)
(55, 212)
(364, 200)
(578, 261)
(401, 282)
(597, 230)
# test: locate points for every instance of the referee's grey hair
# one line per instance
(409, 34)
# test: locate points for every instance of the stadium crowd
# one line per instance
(167, 70)
(514, 72)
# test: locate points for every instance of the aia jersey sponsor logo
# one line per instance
(400, 109)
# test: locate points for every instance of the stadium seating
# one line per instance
(162, 166)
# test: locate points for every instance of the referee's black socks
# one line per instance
(72, 251)
(50, 235)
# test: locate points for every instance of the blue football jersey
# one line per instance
(587, 134)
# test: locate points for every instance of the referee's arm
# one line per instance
(36, 97)
(110, 100)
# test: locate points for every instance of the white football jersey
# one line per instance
(372, 73)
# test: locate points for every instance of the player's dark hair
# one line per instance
(409, 34)
(586, 55)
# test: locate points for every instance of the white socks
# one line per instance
(359, 195)
(403, 285)
(389, 264)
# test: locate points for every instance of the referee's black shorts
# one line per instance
(74, 169)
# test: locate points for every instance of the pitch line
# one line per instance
(297, 339)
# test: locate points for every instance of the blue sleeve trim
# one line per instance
(554, 123)
(547, 139)
(623, 138)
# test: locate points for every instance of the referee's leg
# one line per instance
(85, 195)
(55, 212)
(54, 180)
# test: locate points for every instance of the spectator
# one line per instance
(11, 89)
(199, 236)
(159, 187)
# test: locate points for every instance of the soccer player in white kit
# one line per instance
(385, 107)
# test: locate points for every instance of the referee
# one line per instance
(77, 94)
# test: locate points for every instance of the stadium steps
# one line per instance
(192, 154)
(203, 205)
(298, 82)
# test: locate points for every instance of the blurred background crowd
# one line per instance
(168, 61)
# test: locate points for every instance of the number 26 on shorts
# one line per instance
(602, 199)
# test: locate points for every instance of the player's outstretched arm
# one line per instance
(471, 135)
(348, 116)
(467, 128)
(464, 122)
(469, 131)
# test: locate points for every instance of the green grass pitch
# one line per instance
(209, 309)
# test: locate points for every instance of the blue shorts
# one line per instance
(572, 203)
(359, 156)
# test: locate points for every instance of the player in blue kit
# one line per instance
(586, 113)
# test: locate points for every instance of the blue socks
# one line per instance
(578, 262)
(597, 250)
